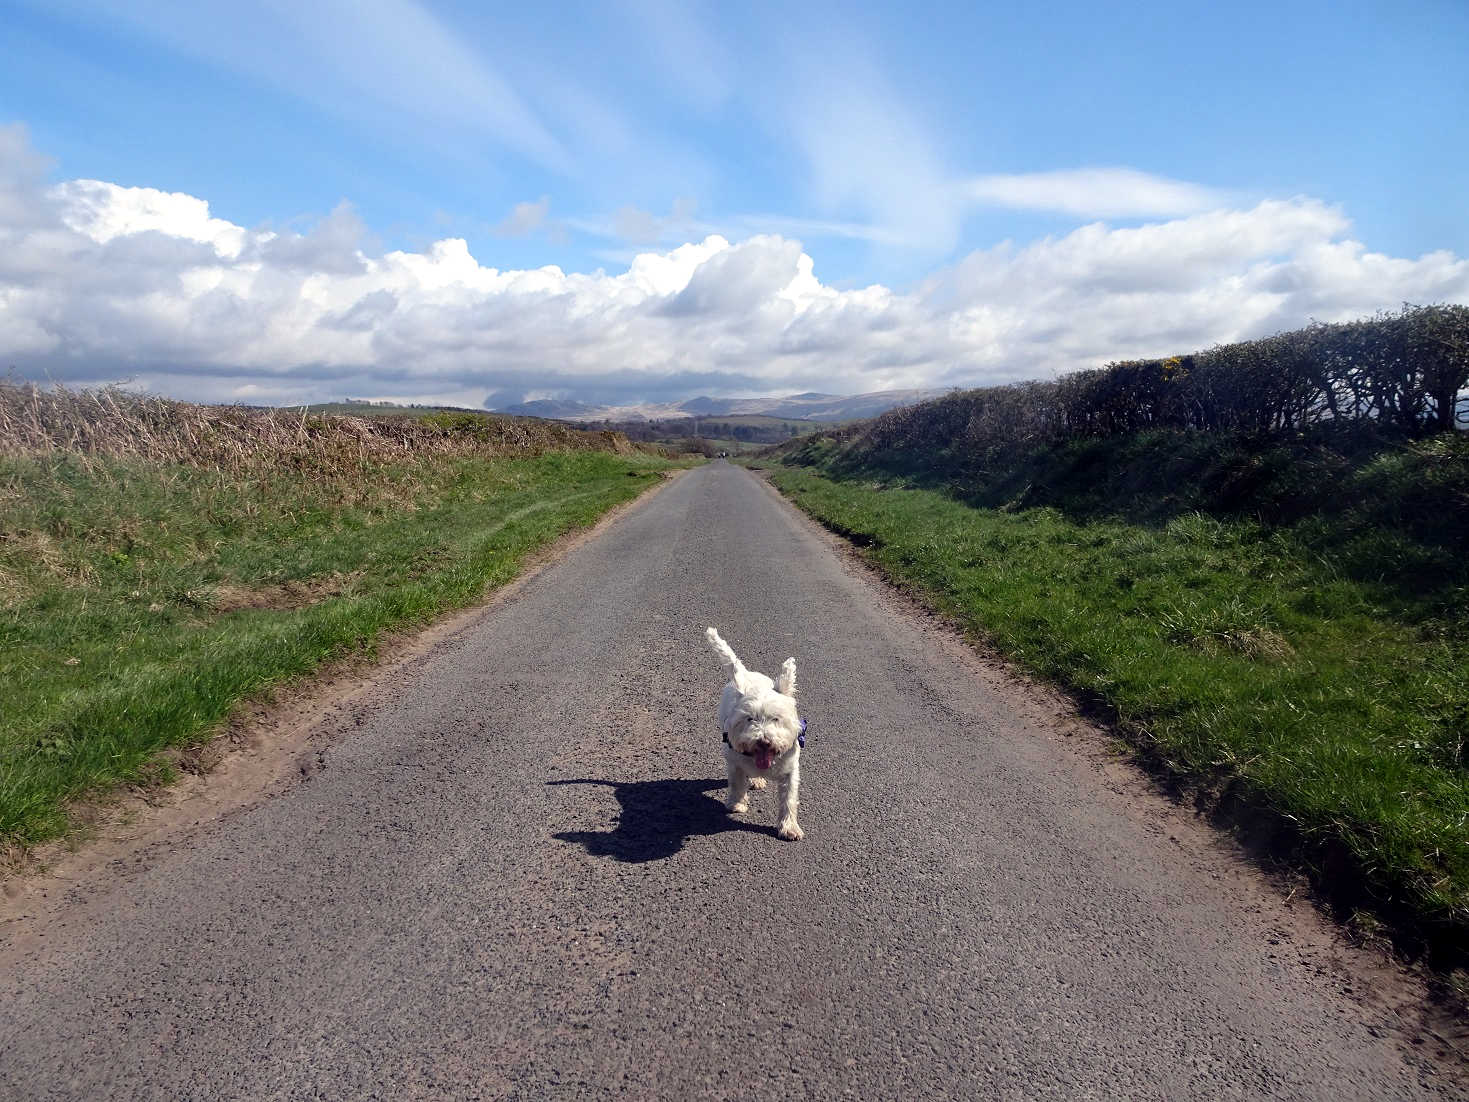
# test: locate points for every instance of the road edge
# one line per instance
(269, 745)
(1402, 991)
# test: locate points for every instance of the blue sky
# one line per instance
(891, 195)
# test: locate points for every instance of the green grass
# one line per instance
(142, 601)
(1259, 661)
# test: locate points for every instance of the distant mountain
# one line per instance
(705, 407)
(554, 410)
(810, 406)
(841, 407)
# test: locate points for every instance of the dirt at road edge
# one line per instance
(268, 746)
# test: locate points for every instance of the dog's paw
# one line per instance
(791, 831)
(757, 783)
(739, 808)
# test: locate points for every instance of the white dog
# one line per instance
(762, 735)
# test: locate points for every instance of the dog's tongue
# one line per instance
(763, 757)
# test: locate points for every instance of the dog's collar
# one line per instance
(800, 739)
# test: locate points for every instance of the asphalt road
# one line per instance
(514, 879)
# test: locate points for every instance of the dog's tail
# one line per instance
(731, 659)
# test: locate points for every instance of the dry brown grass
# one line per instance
(198, 463)
(111, 423)
(284, 595)
(159, 560)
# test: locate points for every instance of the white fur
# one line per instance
(758, 718)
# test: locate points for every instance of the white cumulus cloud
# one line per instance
(103, 211)
(100, 282)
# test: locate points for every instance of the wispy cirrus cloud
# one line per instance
(632, 224)
(690, 56)
(868, 154)
(1107, 192)
(743, 225)
(524, 218)
(376, 62)
(861, 149)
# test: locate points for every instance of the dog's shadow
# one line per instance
(657, 818)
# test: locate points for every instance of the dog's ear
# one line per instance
(726, 655)
(786, 682)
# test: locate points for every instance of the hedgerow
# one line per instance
(1401, 372)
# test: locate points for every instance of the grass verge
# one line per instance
(1241, 658)
(142, 599)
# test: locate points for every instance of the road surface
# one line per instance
(514, 879)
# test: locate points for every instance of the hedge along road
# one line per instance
(514, 879)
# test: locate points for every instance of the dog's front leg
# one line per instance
(790, 799)
(738, 798)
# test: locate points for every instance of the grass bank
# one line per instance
(1310, 675)
(149, 587)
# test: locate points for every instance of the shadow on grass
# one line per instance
(657, 818)
(1366, 500)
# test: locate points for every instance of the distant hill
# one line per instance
(354, 408)
(810, 406)
(844, 407)
(560, 411)
(733, 432)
